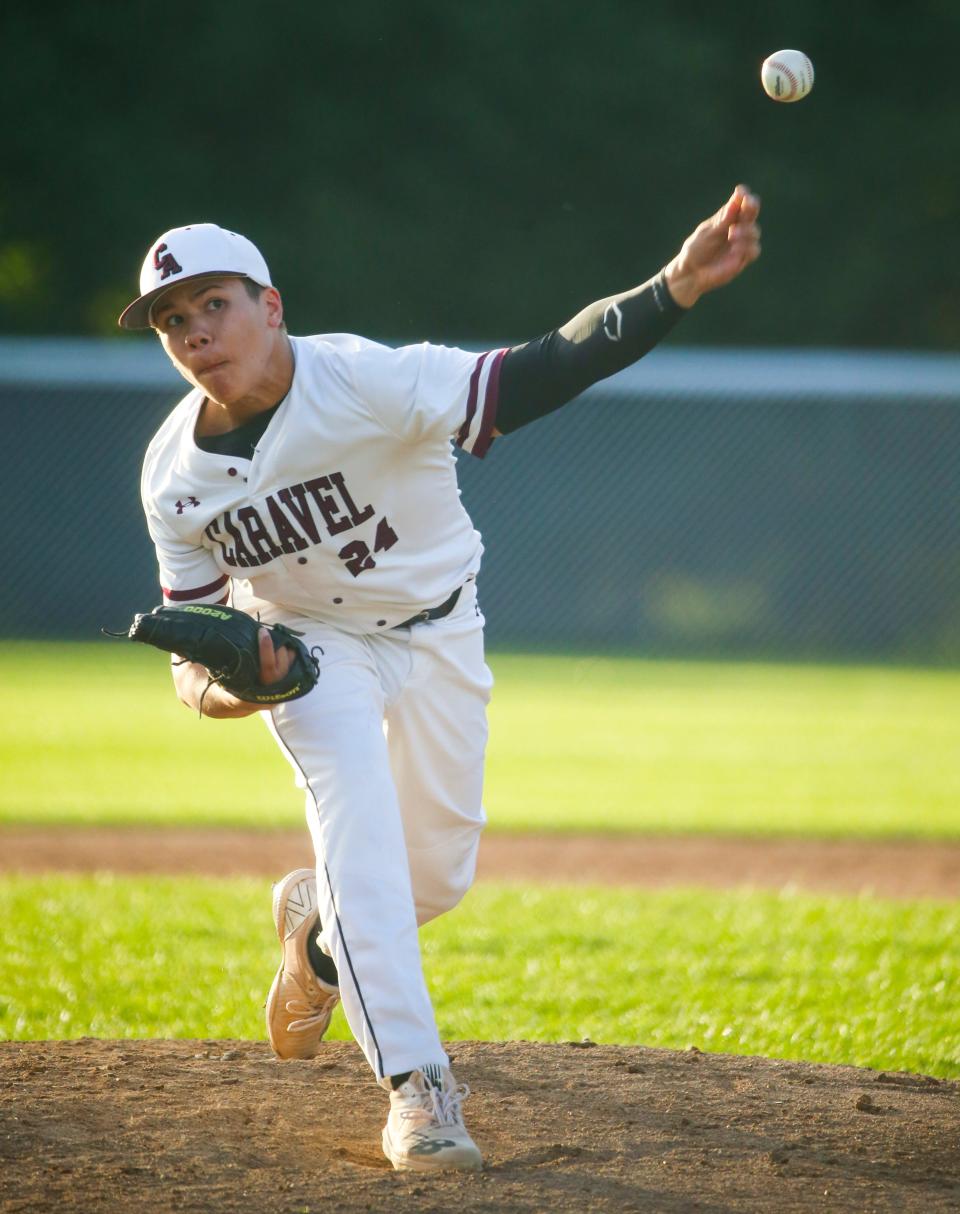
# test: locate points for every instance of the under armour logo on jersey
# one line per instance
(167, 264)
(612, 321)
(191, 501)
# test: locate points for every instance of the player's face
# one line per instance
(218, 337)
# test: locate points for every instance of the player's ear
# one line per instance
(274, 306)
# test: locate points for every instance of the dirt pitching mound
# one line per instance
(218, 1126)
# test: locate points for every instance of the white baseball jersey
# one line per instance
(349, 510)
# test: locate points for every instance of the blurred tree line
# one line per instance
(480, 171)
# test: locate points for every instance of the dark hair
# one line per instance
(254, 290)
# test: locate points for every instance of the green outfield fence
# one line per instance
(742, 502)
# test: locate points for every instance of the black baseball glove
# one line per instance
(227, 642)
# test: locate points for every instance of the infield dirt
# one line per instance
(904, 868)
(221, 1126)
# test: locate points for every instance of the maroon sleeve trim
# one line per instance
(183, 596)
(491, 399)
(471, 402)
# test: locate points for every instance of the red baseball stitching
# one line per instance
(782, 67)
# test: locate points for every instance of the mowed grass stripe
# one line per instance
(825, 979)
(627, 744)
(577, 743)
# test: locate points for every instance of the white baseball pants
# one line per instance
(389, 749)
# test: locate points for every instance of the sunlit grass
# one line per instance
(828, 979)
(94, 733)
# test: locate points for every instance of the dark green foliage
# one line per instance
(443, 170)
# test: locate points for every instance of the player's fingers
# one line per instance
(743, 232)
(739, 255)
(274, 663)
(743, 207)
(748, 248)
(749, 209)
(269, 672)
(748, 251)
(730, 210)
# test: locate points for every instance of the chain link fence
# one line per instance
(743, 503)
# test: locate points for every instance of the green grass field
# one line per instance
(96, 735)
(861, 981)
(93, 733)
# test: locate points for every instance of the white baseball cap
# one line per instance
(182, 253)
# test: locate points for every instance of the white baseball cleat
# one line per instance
(300, 1004)
(425, 1130)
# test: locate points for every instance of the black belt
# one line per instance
(433, 613)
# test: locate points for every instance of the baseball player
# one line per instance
(312, 480)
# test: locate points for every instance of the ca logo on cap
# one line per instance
(167, 264)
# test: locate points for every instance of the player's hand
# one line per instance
(193, 682)
(718, 250)
(274, 663)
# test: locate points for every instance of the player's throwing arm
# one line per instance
(540, 376)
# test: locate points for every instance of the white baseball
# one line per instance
(787, 76)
